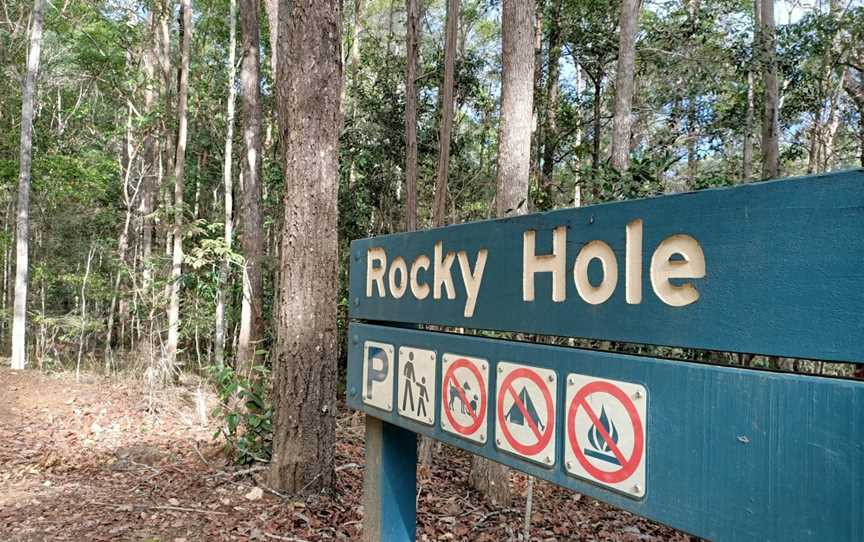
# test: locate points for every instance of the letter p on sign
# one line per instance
(378, 375)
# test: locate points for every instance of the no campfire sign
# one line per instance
(464, 396)
(525, 412)
(606, 436)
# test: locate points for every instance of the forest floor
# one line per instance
(102, 460)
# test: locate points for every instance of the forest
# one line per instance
(180, 182)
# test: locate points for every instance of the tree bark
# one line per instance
(855, 89)
(439, 209)
(179, 177)
(514, 162)
(517, 95)
(550, 129)
(624, 76)
(538, 128)
(28, 101)
(251, 232)
(272, 8)
(595, 143)
(411, 41)
(149, 184)
(305, 357)
(771, 100)
(227, 184)
(747, 153)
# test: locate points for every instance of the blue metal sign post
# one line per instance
(724, 453)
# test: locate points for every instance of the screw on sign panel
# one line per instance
(606, 433)
(416, 384)
(378, 367)
(464, 399)
(525, 419)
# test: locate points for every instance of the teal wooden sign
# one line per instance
(769, 268)
(723, 453)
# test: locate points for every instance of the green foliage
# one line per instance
(246, 415)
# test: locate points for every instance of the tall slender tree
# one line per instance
(517, 99)
(305, 357)
(747, 154)
(22, 232)
(179, 177)
(624, 79)
(412, 34)
(550, 127)
(771, 96)
(227, 184)
(514, 164)
(272, 8)
(854, 86)
(251, 234)
(439, 209)
(152, 174)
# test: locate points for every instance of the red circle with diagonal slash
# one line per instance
(628, 465)
(542, 437)
(477, 417)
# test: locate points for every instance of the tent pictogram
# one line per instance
(517, 415)
(525, 421)
(463, 396)
(606, 435)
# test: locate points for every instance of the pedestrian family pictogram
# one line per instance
(378, 375)
(464, 400)
(606, 435)
(525, 421)
(417, 384)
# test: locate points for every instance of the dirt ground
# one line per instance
(102, 460)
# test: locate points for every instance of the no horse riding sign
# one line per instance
(722, 452)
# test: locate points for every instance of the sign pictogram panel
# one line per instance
(378, 367)
(464, 397)
(606, 433)
(416, 384)
(525, 412)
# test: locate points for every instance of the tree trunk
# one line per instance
(832, 124)
(855, 88)
(439, 210)
(305, 356)
(514, 162)
(251, 240)
(770, 116)
(83, 328)
(517, 93)
(272, 8)
(179, 174)
(747, 154)
(595, 143)
(625, 73)
(692, 140)
(354, 72)
(538, 128)
(411, 42)
(149, 184)
(227, 183)
(28, 100)
(861, 134)
(123, 242)
(550, 126)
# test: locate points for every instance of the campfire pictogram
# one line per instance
(602, 449)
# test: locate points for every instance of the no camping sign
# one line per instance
(606, 433)
(525, 412)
